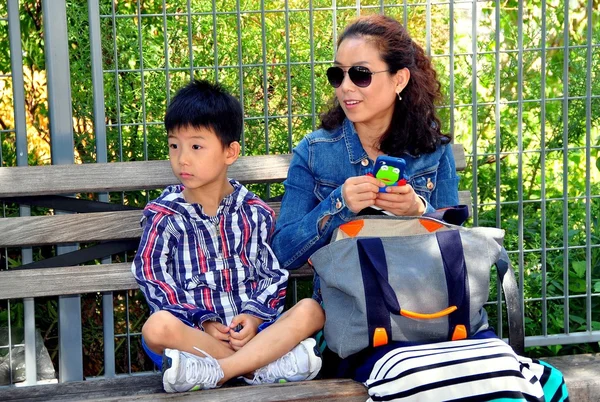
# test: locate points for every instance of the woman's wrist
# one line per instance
(421, 205)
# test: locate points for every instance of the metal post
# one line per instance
(101, 157)
(521, 228)
(61, 135)
(543, 174)
(238, 22)
(497, 97)
(565, 220)
(16, 66)
(588, 160)
(474, 134)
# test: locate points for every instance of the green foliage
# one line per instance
(539, 159)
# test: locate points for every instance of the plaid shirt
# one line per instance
(201, 267)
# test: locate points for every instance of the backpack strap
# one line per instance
(457, 282)
(456, 215)
(381, 300)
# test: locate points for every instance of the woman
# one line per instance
(385, 92)
(385, 96)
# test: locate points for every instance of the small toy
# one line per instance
(390, 170)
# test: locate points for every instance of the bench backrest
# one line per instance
(86, 227)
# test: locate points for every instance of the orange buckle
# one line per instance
(380, 337)
(460, 332)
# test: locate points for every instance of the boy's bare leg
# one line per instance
(295, 325)
(163, 330)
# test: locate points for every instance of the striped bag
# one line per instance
(465, 370)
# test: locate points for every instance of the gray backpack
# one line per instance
(415, 279)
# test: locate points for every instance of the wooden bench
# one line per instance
(47, 185)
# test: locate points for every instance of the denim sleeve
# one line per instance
(298, 233)
(445, 193)
(428, 207)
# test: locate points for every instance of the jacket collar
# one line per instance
(355, 149)
(172, 201)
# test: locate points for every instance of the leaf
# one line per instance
(579, 267)
(577, 286)
(558, 285)
(12, 263)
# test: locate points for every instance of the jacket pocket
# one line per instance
(424, 182)
(224, 274)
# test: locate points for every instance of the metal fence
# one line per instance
(522, 86)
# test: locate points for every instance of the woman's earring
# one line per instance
(399, 97)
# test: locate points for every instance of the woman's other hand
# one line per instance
(401, 201)
(360, 192)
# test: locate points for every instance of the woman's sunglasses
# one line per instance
(360, 76)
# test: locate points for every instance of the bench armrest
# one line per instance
(516, 331)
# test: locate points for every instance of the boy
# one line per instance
(206, 266)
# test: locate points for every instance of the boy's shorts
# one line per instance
(157, 359)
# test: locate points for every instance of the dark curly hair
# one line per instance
(415, 127)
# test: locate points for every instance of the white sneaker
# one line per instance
(300, 364)
(184, 371)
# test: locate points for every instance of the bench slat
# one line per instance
(464, 198)
(125, 176)
(460, 159)
(42, 282)
(74, 228)
(70, 228)
(149, 387)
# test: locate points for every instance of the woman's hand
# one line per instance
(249, 330)
(401, 201)
(360, 192)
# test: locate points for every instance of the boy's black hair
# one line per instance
(202, 104)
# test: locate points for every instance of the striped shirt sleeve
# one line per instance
(153, 271)
(268, 298)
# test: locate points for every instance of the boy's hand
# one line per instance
(216, 330)
(249, 330)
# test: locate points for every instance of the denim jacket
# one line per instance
(320, 164)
